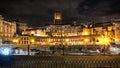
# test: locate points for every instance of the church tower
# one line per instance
(57, 18)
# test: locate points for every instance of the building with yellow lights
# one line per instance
(22, 26)
(105, 33)
(35, 32)
(7, 29)
(96, 34)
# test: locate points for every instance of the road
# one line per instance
(60, 61)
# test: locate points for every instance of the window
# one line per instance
(24, 42)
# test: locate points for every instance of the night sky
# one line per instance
(40, 12)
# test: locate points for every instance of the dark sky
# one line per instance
(39, 12)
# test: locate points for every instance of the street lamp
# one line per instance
(106, 42)
(28, 50)
(31, 42)
(15, 40)
(63, 49)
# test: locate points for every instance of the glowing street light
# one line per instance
(67, 40)
(49, 40)
(85, 33)
(104, 41)
(32, 32)
(15, 40)
(32, 40)
(86, 40)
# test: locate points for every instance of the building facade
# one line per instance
(7, 29)
(96, 34)
(60, 34)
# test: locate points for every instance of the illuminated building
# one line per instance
(117, 31)
(53, 35)
(24, 40)
(103, 32)
(63, 30)
(22, 26)
(56, 34)
(98, 34)
(65, 34)
(57, 18)
(34, 32)
(7, 29)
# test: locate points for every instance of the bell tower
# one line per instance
(57, 18)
